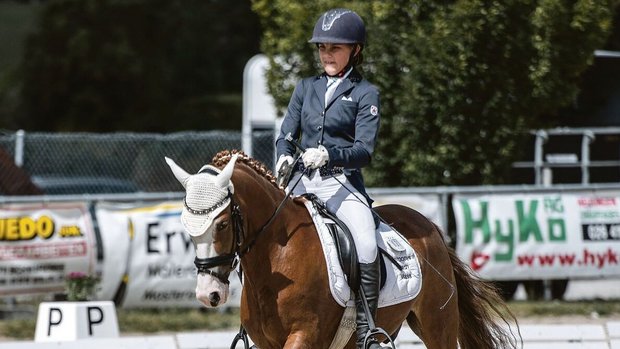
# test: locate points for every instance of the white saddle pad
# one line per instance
(400, 285)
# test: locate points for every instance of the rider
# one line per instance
(335, 117)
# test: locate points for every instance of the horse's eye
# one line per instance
(222, 225)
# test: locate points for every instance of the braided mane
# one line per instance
(223, 157)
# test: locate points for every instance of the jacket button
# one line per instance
(319, 128)
(322, 114)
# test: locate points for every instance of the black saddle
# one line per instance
(347, 254)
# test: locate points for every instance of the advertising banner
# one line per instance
(149, 258)
(40, 243)
(159, 256)
(534, 236)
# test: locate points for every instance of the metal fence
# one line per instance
(573, 155)
(94, 163)
(74, 163)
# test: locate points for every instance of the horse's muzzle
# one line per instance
(211, 300)
(210, 291)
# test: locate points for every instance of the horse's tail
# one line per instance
(480, 308)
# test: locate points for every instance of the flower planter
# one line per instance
(80, 286)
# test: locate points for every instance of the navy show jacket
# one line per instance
(347, 127)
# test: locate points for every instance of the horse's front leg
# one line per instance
(297, 341)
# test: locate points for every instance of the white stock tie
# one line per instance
(332, 84)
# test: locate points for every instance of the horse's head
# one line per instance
(209, 222)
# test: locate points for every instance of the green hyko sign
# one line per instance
(504, 224)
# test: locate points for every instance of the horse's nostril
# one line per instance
(214, 298)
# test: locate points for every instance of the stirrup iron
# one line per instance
(372, 328)
(378, 330)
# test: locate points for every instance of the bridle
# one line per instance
(204, 265)
(232, 258)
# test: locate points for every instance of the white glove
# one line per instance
(281, 173)
(283, 159)
(315, 157)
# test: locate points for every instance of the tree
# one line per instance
(461, 81)
(140, 65)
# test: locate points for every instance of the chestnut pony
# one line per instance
(286, 300)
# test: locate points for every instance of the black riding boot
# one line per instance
(369, 282)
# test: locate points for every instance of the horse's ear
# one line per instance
(222, 180)
(178, 172)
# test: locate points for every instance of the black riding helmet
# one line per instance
(339, 26)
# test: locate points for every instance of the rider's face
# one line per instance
(334, 57)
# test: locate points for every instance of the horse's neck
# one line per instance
(258, 200)
(258, 197)
(269, 234)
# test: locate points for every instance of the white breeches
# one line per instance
(347, 206)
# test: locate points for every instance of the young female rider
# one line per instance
(335, 117)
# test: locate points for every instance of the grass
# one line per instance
(176, 320)
(148, 321)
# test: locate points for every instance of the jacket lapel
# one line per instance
(320, 86)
